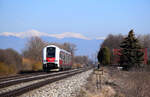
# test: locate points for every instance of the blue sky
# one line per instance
(90, 18)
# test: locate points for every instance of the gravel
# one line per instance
(69, 87)
(17, 86)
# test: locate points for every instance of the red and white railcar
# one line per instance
(55, 58)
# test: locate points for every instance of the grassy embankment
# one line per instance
(116, 83)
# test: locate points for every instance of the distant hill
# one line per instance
(84, 47)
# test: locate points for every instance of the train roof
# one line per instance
(58, 48)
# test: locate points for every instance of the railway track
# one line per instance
(28, 78)
(18, 76)
(49, 78)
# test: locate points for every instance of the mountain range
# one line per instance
(84, 47)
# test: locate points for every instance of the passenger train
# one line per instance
(55, 58)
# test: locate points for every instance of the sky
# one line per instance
(81, 19)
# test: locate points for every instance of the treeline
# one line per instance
(82, 61)
(130, 46)
(10, 61)
(32, 54)
(31, 57)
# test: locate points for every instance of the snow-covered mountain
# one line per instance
(84, 45)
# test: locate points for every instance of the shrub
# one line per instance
(29, 64)
(104, 56)
(10, 59)
(37, 66)
(6, 69)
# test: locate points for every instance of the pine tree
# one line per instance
(100, 55)
(104, 56)
(131, 54)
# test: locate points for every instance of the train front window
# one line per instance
(50, 52)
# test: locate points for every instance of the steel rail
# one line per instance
(28, 88)
(2, 79)
(17, 81)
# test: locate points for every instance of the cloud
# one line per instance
(32, 33)
(100, 38)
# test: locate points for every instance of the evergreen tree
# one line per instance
(99, 56)
(104, 56)
(131, 54)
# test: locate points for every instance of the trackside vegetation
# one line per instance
(130, 47)
(104, 56)
(10, 61)
(30, 59)
(131, 55)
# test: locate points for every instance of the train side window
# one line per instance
(70, 58)
(67, 58)
(63, 57)
(60, 55)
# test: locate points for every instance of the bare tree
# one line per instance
(11, 58)
(145, 41)
(83, 60)
(33, 49)
(112, 42)
(70, 48)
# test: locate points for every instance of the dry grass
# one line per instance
(27, 64)
(37, 66)
(131, 83)
(76, 65)
(91, 90)
(31, 65)
(7, 69)
(117, 83)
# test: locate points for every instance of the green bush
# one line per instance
(104, 56)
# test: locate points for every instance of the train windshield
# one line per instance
(51, 52)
